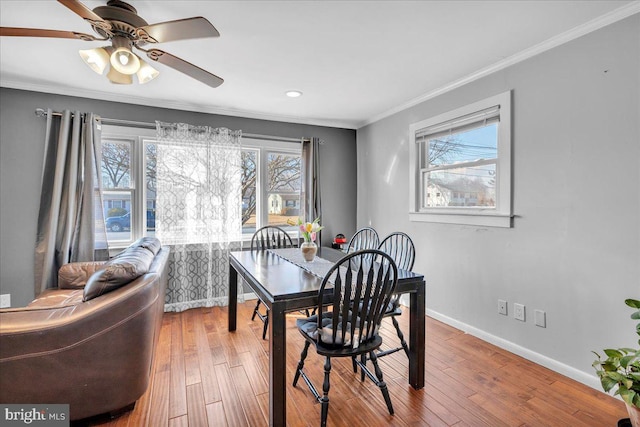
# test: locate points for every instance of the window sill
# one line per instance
(468, 218)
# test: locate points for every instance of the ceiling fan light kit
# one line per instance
(146, 73)
(120, 23)
(97, 59)
(123, 64)
(122, 58)
(117, 77)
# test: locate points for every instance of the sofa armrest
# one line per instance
(74, 275)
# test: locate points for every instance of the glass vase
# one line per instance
(309, 250)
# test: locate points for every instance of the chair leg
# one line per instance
(405, 347)
(303, 356)
(363, 360)
(325, 398)
(355, 365)
(381, 383)
(266, 325)
(255, 310)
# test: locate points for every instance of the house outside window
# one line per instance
(460, 169)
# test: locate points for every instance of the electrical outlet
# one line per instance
(518, 311)
(541, 318)
(502, 307)
(5, 300)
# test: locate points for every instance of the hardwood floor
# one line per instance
(206, 376)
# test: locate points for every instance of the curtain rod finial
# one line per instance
(40, 112)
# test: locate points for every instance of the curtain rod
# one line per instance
(41, 112)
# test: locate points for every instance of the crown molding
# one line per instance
(167, 104)
(579, 31)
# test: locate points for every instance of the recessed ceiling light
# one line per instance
(293, 93)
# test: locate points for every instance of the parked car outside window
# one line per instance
(123, 222)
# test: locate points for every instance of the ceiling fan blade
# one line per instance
(184, 67)
(84, 12)
(36, 32)
(190, 28)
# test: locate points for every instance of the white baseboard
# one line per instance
(585, 378)
(566, 370)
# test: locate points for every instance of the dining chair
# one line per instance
(400, 247)
(355, 293)
(268, 237)
(364, 238)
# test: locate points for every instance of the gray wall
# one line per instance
(22, 152)
(574, 248)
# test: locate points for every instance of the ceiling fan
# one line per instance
(119, 23)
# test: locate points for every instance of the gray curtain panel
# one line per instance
(198, 210)
(70, 221)
(311, 181)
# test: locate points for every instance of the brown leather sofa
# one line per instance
(89, 343)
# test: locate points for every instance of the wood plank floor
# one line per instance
(206, 376)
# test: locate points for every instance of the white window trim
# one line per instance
(264, 147)
(138, 138)
(501, 215)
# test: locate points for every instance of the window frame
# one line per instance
(138, 138)
(264, 148)
(498, 216)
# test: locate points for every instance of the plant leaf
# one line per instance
(612, 353)
(609, 366)
(632, 303)
(627, 395)
(616, 376)
(607, 383)
(626, 360)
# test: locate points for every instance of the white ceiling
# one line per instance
(355, 61)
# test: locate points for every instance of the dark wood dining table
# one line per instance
(285, 287)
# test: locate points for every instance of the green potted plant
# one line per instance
(621, 368)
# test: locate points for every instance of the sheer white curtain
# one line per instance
(198, 210)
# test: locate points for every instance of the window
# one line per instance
(128, 182)
(461, 165)
(272, 183)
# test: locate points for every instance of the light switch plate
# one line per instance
(541, 318)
